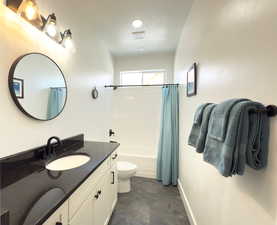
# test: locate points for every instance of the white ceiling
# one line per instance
(112, 20)
(163, 23)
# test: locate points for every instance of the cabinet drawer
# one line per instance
(82, 193)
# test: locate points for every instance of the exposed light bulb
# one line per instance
(67, 39)
(51, 29)
(68, 43)
(137, 23)
(30, 11)
(50, 25)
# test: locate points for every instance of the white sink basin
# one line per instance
(68, 162)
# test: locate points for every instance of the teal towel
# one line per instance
(245, 142)
(220, 118)
(199, 113)
(195, 131)
(200, 144)
(257, 149)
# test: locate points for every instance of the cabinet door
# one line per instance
(101, 207)
(60, 216)
(113, 187)
(84, 214)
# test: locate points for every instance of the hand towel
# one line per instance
(195, 131)
(199, 113)
(257, 148)
(200, 145)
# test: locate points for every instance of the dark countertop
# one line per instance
(24, 180)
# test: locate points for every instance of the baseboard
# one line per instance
(114, 205)
(146, 175)
(186, 204)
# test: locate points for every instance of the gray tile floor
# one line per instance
(149, 203)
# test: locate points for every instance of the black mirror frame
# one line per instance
(10, 83)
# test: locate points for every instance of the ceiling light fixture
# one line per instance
(50, 25)
(137, 23)
(67, 39)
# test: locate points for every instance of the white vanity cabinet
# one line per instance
(93, 202)
(101, 204)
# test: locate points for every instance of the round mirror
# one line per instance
(38, 86)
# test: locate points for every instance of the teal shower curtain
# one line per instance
(168, 154)
(55, 102)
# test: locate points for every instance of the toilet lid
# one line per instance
(125, 166)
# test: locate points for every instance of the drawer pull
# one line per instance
(59, 223)
(113, 177)
(98, 194)
(115, 156)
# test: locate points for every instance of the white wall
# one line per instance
(90, 65)
(151, 61)
(136, 112)
(235, 45)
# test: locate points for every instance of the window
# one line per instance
(142, 77)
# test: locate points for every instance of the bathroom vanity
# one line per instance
(86, 195)
(69, 182)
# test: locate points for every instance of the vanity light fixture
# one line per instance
(50, 25)
(29, 10)
(66, 38)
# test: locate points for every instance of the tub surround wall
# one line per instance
(235, 45)
(136, 112)
(89, 64)
(146, 164)
(136, 122)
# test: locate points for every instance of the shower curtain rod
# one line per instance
(137, 85)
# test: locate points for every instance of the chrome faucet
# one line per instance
(51, 148)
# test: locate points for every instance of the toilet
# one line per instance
(125, 171)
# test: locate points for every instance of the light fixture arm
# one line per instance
(50, 19)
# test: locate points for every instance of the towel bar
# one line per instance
(271, 110)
